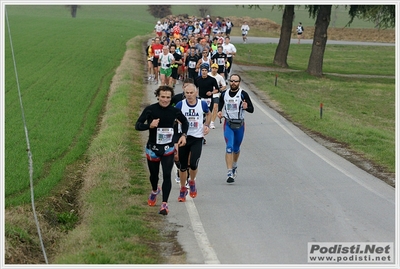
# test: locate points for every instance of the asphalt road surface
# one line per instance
(257, 40)
(290, 191)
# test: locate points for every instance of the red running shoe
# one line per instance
(182, 194)
(153, 197)
(193, 190)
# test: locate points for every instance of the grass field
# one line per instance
(65, 68)
(339, 17)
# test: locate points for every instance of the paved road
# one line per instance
(239, 40)
(290, 190)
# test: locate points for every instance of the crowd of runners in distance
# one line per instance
(180, 47)
(199, 53)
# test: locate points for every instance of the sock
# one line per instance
(234, 165)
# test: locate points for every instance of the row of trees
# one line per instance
(383, 16)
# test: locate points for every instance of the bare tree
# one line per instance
(320, 38)
(204, 10)
(73, 9)
(282, 49)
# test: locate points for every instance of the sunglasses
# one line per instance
(235, 81)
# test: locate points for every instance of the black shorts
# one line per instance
(215, 100)
(155, 61)
(174, 74)
(193, 147)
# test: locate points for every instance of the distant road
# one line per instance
(257, 40)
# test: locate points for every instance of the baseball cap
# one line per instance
(158, 22)
(214, 65)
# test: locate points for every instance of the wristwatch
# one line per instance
(183, 134)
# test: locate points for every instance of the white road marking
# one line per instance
(209, 255)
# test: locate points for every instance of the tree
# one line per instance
(383, 16)
(282, 49)
(204, 10)
(159, 11)
(73, 9)
(320, 37)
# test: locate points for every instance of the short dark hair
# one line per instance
(164, 88)
(240, 79)
(188, 80)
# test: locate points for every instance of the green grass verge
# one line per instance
(365, 60)
(116, 229)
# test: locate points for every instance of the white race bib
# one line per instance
(192, 64)
(232, 107)
(207, 100)
(164, 135)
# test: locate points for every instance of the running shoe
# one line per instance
(153, 197)
(177, 179)
(187, 181)
(234, 172)
(164, 209)
(193, 190)
(182, 194)
(212, 126)
(230, 178)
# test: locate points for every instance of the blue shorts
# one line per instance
(233, 138)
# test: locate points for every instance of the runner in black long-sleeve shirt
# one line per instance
(159, 119)
(207, 86)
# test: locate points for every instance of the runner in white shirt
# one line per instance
(245, 30)
(194, 109)
(159, 29)
(222, 86)
(230, 50)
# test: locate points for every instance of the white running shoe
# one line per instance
(212, 126)
(234, 172)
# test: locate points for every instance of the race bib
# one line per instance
(221, 61)
(232, 107)
(192, 64)
(207, 100)
(193, 122)
(164, 135)
(157, 52)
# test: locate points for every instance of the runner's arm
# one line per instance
(140, 123)
(246, 98)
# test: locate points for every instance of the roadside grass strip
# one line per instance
(115, 229)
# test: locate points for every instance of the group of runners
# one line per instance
(178, 49)
(178, 123)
